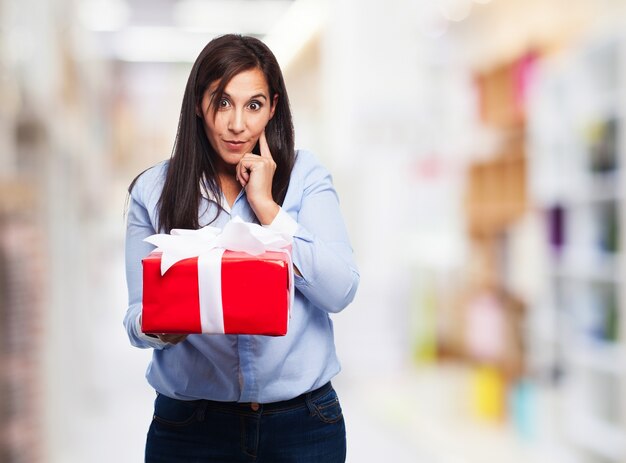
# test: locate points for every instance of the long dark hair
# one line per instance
(193, 162)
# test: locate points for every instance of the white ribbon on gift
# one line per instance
(208, 244)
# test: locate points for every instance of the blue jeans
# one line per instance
(307, 429)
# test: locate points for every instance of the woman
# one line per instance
(234, 398)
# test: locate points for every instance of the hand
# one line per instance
(255, 174)
(172, 338)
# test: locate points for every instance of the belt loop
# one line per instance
(202, 410)
(309, 403)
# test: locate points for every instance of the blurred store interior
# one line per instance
(477, 150)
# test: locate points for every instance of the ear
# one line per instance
(273, 108)
(200, 105)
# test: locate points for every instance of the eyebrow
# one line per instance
(258, 95)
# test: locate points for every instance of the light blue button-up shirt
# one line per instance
(254, 368)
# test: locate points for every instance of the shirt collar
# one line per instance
(208, 194)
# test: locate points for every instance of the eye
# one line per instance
(223, 103)
(255, 105)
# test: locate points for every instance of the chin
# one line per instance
(232, 159)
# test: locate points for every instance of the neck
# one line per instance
(230, 187)
(225, 170)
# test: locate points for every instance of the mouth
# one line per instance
(234, 144)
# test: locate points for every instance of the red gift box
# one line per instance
(254, 295)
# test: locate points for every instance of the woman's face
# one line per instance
(243, 112)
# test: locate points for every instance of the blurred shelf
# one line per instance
(595, 187)
(587, 265)
(577, 150)
(599, 355)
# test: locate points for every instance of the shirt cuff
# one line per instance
(153, 341)
(283, 223)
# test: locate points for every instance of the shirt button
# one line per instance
(254, 406)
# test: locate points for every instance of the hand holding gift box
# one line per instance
(238, 280)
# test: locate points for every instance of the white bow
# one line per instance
(237, 235)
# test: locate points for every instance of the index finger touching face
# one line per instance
(265, 149)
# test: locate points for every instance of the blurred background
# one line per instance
(477, 150)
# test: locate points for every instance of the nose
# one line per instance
(236, 122)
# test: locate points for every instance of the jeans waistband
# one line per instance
(298, 401)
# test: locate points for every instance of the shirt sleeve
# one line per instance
(321, 248)
(138, 227)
